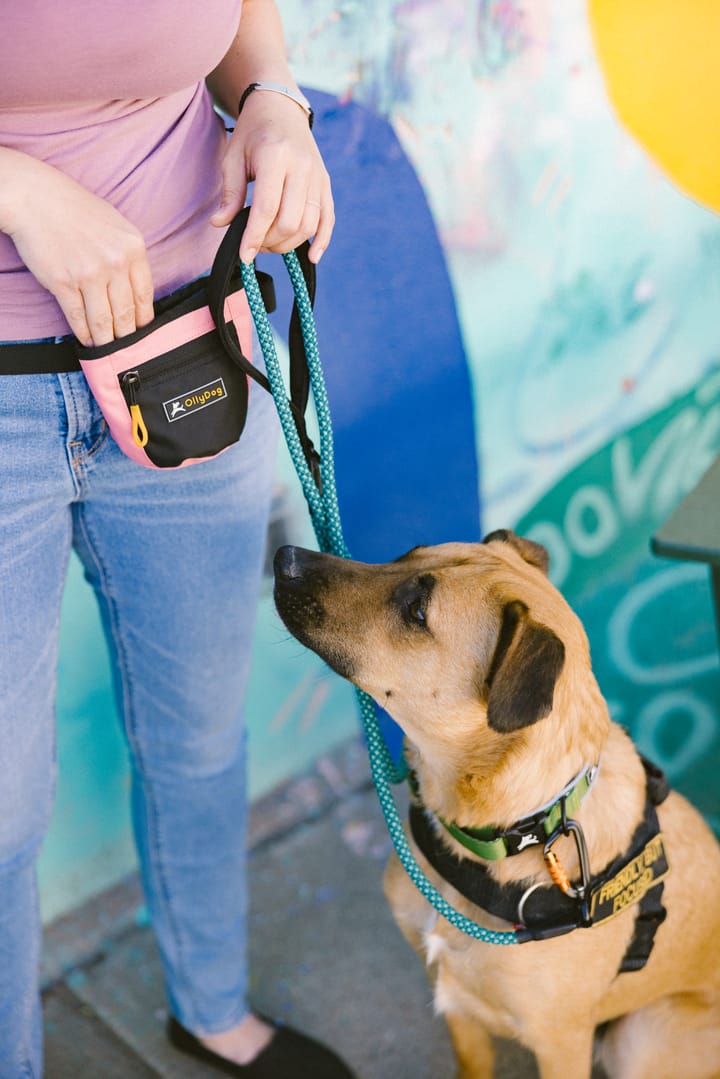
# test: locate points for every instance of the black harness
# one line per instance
(539, 912)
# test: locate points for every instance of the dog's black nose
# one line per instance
(298, 566)
(292, 563)
(286, 564)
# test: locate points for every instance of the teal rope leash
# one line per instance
(325, 516)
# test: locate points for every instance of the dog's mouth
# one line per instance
(301, 577)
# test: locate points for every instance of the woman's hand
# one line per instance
(79, 247)
(272, 144)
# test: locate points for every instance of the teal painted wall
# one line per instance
(588, 291)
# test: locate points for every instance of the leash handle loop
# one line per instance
(223, 269)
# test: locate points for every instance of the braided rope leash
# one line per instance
(325, 516)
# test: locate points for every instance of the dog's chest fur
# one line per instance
(494, 984)
(466, 981)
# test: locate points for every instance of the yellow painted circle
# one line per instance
(661, 62)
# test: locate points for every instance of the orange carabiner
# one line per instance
(556, 871)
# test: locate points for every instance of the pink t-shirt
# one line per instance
(111, 92)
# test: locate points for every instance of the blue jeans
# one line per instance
(175, 558)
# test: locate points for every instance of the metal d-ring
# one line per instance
(525, 896)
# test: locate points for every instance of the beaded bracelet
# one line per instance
(276, 88)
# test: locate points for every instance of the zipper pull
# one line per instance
(139, 430)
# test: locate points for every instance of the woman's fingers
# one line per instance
(109, 305)
(273, 146)
(324, 228)
(267, 198)
(143, 290)
(90, 257)
(99, 313)
(282, 217)
(102, 311)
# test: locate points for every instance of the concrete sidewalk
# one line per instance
(325, 954)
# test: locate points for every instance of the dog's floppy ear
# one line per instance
(532, 552)
(526, 664)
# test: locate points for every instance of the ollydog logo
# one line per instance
(209, 394)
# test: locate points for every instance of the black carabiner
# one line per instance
(580, 893)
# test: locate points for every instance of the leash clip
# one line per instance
(555, 867)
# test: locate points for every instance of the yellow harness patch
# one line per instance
(631, 883)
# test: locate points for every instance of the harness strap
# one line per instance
(651, 915)
(546, 911)
(543, 911)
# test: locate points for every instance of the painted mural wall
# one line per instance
(550, 354)
(587, 289)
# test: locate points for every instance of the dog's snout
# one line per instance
(295, 601)
(304, 583)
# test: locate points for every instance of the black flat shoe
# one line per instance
(288, 1055)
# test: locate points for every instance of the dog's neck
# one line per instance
(511, 792)
(491, 786)
(478, 776)
(494, 780)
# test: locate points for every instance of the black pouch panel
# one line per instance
(193, 400)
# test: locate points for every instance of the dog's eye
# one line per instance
(412, 599)
(416, 612)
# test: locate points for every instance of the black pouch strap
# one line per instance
(63, 355)
(224, 266)
(39, 357)
(299, 378)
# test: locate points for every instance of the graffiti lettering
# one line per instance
(631, 609)
(699, 730)
(591, 521)
(595, 515)
(627, 493)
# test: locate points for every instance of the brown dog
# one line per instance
(487, 670)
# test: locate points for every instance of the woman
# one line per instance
(116, 178)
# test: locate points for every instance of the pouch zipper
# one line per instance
(161, 366)
(131, 381)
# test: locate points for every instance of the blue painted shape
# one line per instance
(394, 361)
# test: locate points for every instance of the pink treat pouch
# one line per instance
(176, 391)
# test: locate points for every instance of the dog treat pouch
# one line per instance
(176, 392)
